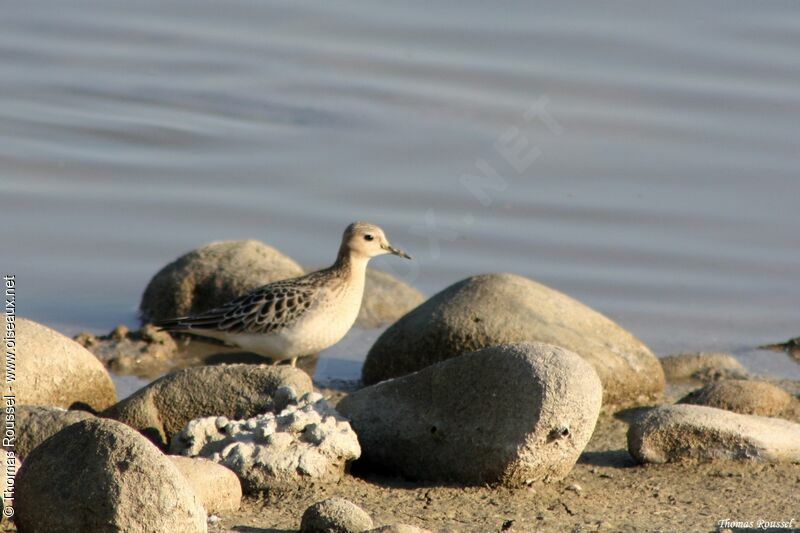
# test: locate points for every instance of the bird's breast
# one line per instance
(326, 323)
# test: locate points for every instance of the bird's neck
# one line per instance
(351, 266)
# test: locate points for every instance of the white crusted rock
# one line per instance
(162, 408)
(307, 441)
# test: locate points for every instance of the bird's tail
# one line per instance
(170, 324)
(187, 323)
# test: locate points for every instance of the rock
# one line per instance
(702, 367)
(211, 275)
(494, 309)
(743, 396)
(99, 475)
(164, 407)
(217, 487)
(792, 386)
(120, 332)
(53, 370)
(399, 528)
(335, 515)
(147, 352)
(150, 353)
(696, 433)
(307, 442)
(575, 487)
(35, 424)
(791, 347)
(386, 299)
(511, 414)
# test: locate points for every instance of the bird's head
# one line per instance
(368, 240)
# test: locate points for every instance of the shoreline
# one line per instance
(144, 362)
(607, 490)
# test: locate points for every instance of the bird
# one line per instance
(295, 317)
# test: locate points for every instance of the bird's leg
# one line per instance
(294, 362)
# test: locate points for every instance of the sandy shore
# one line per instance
(606, 491)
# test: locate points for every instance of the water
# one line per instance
(657, 177)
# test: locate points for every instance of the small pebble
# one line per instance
(575, 488)
(120, 333)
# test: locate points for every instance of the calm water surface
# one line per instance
(657, 178)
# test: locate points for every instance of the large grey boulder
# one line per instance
(386, 299)
(695, 433)
(211, 275)
(36, 424)
(748, 397)
(512, 414)
(53, 370)
(307, 442)
(217, 487)
(493, 309)
(99, 475)
(164, 407)
(335, 515)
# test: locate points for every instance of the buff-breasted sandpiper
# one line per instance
(301, 316)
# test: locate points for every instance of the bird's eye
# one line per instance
(368, 237)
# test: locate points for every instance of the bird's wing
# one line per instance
(264, 310)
